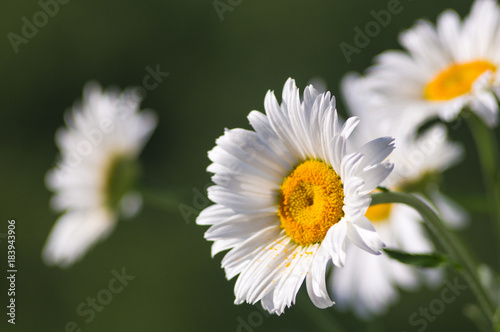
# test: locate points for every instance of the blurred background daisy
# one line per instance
(369, 286)
(217, 72)
(446, 66)
(97, 174)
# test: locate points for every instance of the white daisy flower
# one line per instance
(443, 69)
(289, 198)
(96, 171)
(418, 156)
(369, 285)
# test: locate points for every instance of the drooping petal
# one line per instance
(362, 233)
(315, 281)
(74, 233)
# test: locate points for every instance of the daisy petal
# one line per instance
(363, 234)
(75, 233)
(316, 284)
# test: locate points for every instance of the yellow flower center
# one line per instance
(379, 212)
(311, 202)
(456, 80)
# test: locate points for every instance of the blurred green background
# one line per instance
(219, 71)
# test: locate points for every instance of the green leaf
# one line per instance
(420, 260)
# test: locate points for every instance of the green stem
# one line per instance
(475, 314)
(487, 148)
(449, 242)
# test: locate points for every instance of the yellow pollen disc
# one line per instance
(379, 212)
(311, 202)
(456, 80)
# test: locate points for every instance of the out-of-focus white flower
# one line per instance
(94, 177)
(369, 285)
(443, 68)
(289, 198)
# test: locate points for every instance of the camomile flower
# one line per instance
(96, 171)
(419, 158)
(289, 198)
(369, 285)
(443, 69)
